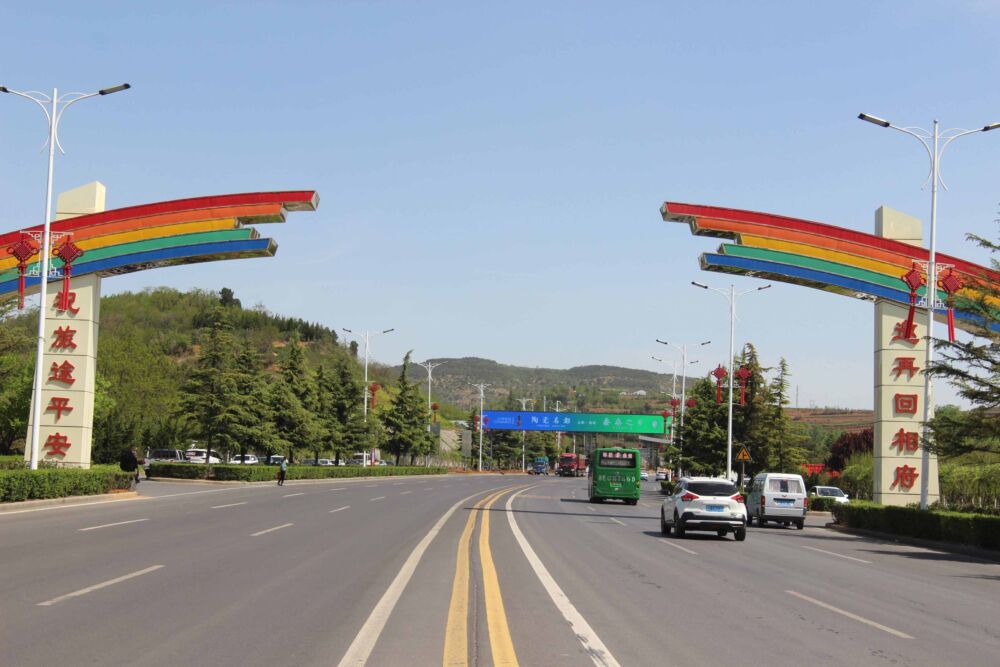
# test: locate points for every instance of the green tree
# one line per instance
(306, 432)
(973, 368)
(406, 421)
(254, 428)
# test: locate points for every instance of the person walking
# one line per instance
(129, 462)
(281, 472)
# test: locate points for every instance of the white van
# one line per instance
(778, 497)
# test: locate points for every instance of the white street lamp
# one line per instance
(731, 295)
(366, 336)
(934, 153)
(53, 113)
(429, 367)
(684, 364)
(524, 402)
(482, 395)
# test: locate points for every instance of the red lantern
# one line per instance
(675, 402)
(743, 375)
(665, 414)
(950, 283)
(434, 411)
(913, 279)
(719, 374)
(690, 403)
(22, 251)
(373, 389)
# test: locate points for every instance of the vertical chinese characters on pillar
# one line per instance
(63, 340)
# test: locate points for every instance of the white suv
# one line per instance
(704, 503)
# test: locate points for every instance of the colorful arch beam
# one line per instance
(817, 255)
(183, 231)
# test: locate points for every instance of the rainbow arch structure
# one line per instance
(814, 254)
(182, 231)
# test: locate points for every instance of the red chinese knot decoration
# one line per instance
(913, 279)
(743, 375)
(719, 374)
(68, 252)
(22, 251)
(950, 283)
(373, 390)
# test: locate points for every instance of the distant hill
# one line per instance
(584, 387)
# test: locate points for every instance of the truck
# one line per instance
(540, 466)
(572, 465)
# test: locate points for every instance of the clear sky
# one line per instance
(490, 173)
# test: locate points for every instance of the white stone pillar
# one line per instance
(899, 385)
(70, 360)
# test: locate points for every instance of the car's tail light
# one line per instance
(738, 498)
(688, 497)
(805, 503)
(762, 501)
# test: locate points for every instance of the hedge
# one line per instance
(267, 473)
(821, 504)
(979, 530)
(24, 484)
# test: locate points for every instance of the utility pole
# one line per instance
(684, 364)
(366, 336)
(482, 396)
(429, 367)
(524, 402)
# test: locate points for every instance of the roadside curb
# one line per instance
(936, 545)
(289, 482)
(68, 500)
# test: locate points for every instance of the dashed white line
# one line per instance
(284, 525)
(109, 525)
(90, 589)
(824, 551)
(369, 486)
(592, 644)
(860, 619)
(339, 488)
(590, 508)
(379, 498)
(218, 507)
(292, 495)
(429, 488)
(620, 523)
(341, 509)
(677, 546)
(403, 493)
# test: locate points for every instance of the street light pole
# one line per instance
(482, 396)
(53, 113)
(684, 364)
(524, 402)
(731, 294)
(366, 336)
(429, 367)
(934, 151)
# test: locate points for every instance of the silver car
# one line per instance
(778, 497)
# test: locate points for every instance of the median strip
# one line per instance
(855, 617)
(269, 530)
(109, 525)
(95, 587)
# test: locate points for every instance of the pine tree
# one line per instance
(256, 426)
(406, 421)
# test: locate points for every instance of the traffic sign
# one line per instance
(744, 455)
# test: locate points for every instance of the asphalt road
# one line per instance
(465, 570)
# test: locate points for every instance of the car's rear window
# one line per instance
(712, 488)
(163, 454)
(617, 459)
(784, 485)
(831, 492)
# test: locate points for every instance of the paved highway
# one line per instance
(455, 570)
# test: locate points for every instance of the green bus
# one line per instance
(614, 473)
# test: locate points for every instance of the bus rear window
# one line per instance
(617, 460)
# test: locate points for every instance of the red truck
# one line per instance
(572, 465)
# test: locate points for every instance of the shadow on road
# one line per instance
(689, 537)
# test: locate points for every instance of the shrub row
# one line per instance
(821, 504)
(978, 530)
(23, 484)
(666, 486)
(265, 473)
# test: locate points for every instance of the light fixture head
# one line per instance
(881, 122)
(987, 128)
(696, 284)
(3, 89)
(114, 89)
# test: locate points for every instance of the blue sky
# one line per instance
(490, 173)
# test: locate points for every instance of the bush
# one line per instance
(267, 473)
(24, 484)
(666, 486)
(978, 530)
(821, 504)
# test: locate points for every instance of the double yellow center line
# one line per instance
(456, 639)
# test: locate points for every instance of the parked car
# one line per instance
(165, 456)
(704, 503)
(243, 459)
(644, 476)
(198, 456)
(830, 492)
(275, 459)
(778, 497)
(661, 475)
(324, 462)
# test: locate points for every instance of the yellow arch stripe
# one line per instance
(8, 262)
(822, 253)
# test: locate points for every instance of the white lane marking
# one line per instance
(621, 523)
(824, 551)
(592, 644)
(292, 495)
(429, 488)
(284, 525)
(374, 499)
(109, 525)
(590, 508)
(219, 507)
(368, 486)
(91, 589)
(403, 493)
(677, 546)
(860, 619)
(398, 483)
(70, 506)
(368, 635)
(341, 509)
(339, 488)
